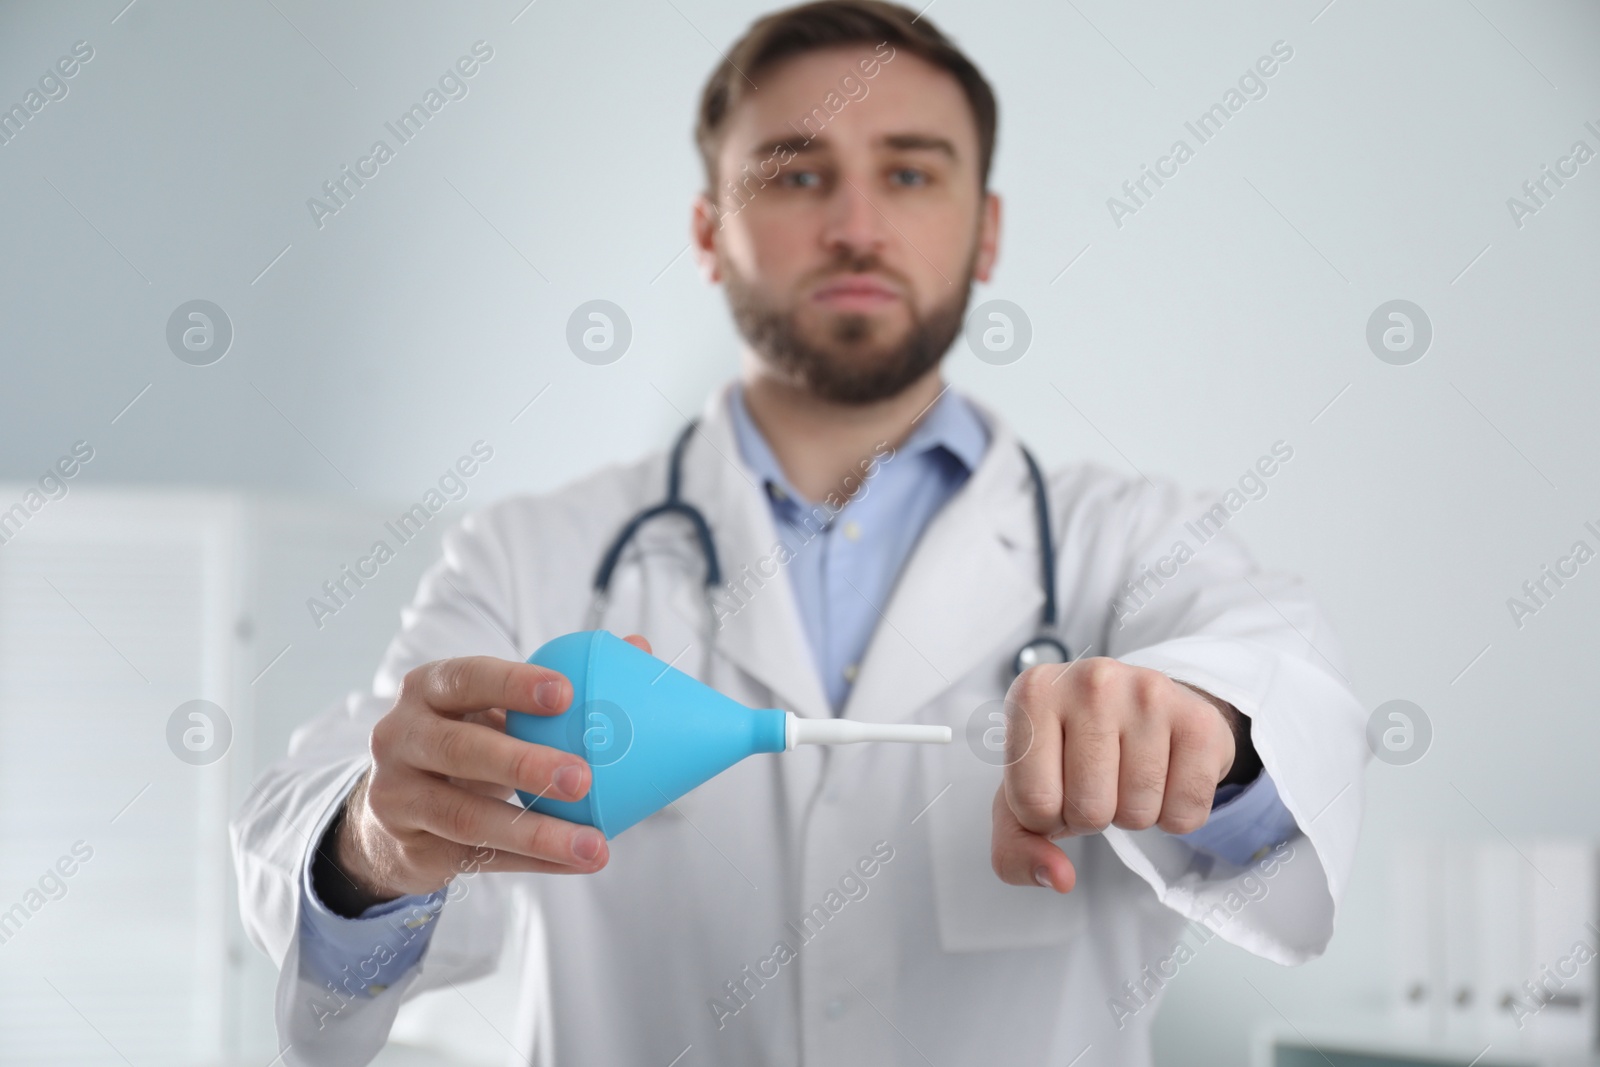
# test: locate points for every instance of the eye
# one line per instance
(802, 179)
(908, 176)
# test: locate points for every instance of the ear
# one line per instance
(988, 238)
(704, 226)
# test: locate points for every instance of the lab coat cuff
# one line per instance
(1307, 729)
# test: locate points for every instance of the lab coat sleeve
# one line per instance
(1202, 612)
(460, 609)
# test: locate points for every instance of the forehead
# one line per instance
(846, 108)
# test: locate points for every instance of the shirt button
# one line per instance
(835, 1007)
(850, 671)
(852, 531)
(777, 491)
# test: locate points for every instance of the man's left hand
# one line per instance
(1100, 743)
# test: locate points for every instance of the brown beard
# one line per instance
(847, 371)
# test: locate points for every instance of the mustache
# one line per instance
(849, 264)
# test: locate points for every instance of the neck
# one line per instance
(821, 444)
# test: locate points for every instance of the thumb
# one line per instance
(1021, 857)
(638, 641)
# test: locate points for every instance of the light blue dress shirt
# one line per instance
(846, 561)
(361, 957)
(844, 566)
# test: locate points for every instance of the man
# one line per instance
(1022, 901)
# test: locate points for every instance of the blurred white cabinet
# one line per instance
(1496, 942)
(113, 612)
(116, 607)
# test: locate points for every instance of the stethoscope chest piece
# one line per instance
(1042, 649)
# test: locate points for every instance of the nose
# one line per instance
(854, 226)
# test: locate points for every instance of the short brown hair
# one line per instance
(826, 24)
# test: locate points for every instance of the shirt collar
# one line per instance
(949, 424)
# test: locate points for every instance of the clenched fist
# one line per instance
(1100, 743)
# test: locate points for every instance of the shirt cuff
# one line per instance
(1245, 821)
(365, 955)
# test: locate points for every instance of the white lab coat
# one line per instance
(939, 961)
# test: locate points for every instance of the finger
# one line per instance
(479, 822)
(494, 719)
(638, 641)
(1191, 787)
(475, 683)
(510, 862)
(1142, 775)
(1021, 857)
(1092, 747)
(1088, 773)
(477, 753)
(1033, 754)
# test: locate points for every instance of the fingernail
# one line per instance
(1042, 876)
(548, 695)
(568, 780)
(586, 845)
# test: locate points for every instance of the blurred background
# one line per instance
(215, 395)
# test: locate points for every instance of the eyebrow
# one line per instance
(904, 142)
(911, 142)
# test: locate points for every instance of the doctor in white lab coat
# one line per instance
(876, 904)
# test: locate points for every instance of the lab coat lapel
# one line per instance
(761, 631)
(971, 581)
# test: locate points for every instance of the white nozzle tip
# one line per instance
(848, 732)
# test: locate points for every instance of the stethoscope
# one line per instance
(1044, 647)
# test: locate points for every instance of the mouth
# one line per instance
(855, 293)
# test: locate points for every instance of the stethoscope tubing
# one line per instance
(1044, 647)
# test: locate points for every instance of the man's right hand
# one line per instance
(432, 805)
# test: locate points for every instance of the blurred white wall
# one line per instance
(1227, 312)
